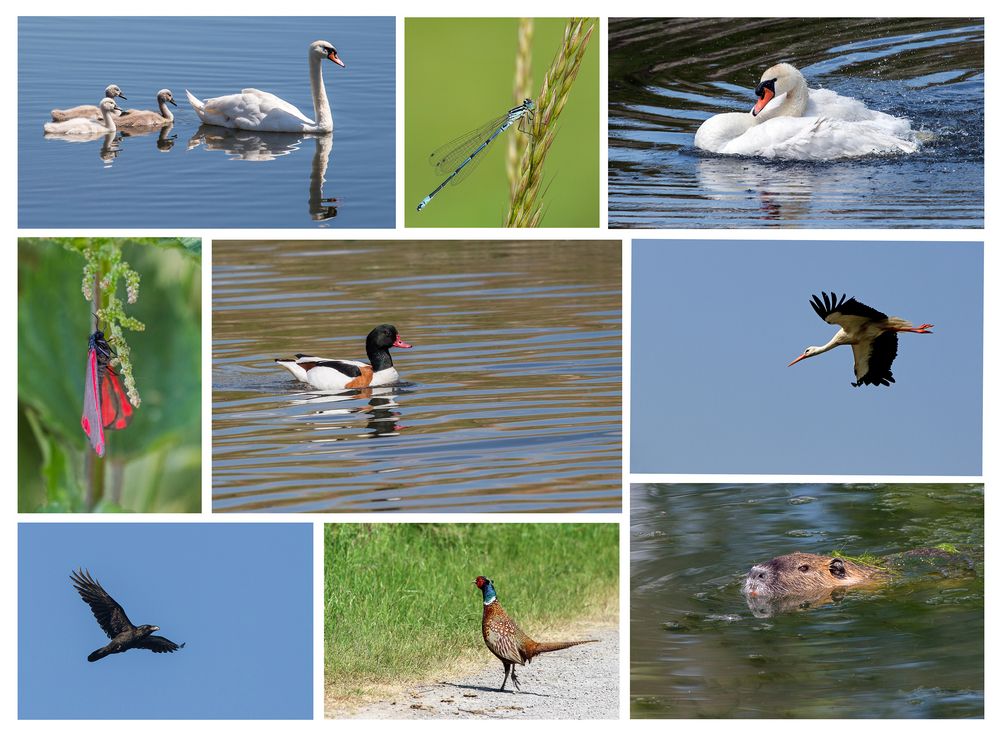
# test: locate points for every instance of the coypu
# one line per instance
(801, 580)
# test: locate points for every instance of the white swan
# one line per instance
(86, 126)
(148, 118)
(791, 121)
(90, 111)
(252, 109)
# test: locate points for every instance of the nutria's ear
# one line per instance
(837, 568)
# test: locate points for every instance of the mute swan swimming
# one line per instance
(148, 118)
(86, 126)
(791, 121)
(89, 111)
(252, 109)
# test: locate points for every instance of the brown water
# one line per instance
(510, 399)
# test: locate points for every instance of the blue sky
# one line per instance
(715, 323)
(239, 596)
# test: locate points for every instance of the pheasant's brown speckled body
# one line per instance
(505, 640)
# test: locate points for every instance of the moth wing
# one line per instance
(92, 419)
(116, 411)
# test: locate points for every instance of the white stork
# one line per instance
(869, 332)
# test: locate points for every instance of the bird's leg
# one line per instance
(513, 677)
(506, 673)
(922, 329)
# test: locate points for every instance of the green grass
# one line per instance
(400, 600)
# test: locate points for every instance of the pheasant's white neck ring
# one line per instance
(490, 601)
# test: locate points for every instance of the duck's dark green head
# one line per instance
(486, 585)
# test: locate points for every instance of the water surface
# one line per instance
(669, 75)
(912, 649)
(204, 176)
(510, 399)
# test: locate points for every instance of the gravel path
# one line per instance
(575, 683)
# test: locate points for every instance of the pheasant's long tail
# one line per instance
(546, 647)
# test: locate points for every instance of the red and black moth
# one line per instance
(105, 405)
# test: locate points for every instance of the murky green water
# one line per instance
(912, 649)
(510, 399)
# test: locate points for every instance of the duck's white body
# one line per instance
(86, 126)
(309, 369)
(791, 121)
(333, 375)
(254, 109)
(149, 118)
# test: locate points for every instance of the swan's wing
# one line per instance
(253, 109)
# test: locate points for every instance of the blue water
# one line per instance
(669, 75)
(193, 176)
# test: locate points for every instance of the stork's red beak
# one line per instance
(767, 96)
(332, 56)
(800, 357)
(400, 343)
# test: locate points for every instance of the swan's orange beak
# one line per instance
(332, 56)
(800, 357)
(766, 96)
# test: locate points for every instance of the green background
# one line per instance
(156, 461)
(459, 75)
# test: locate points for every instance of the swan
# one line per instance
(791, 121)
(148, 118)
(252, 109)
(86, 126)
(89, 111)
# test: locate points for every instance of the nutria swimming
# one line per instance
(801, 580)
(806, 574)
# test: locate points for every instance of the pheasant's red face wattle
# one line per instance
(480, 581)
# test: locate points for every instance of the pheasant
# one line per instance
(505, 640)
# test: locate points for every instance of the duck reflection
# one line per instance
(380, 414)
(250, 145)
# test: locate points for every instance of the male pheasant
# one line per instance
(505, 640)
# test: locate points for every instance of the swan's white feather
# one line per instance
(830, 126)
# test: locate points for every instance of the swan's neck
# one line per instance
(321, 105)
(165, 111)
(109, 121)
(796, 100)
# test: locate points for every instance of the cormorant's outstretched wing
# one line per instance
(110, 615)
(158, 644)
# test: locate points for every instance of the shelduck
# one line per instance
(329, 375)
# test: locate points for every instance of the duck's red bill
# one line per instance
(400, 343)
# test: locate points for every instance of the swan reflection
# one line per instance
(251, 145)
(108, 151)
(784, 192)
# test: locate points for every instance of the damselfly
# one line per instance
(464, 149)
